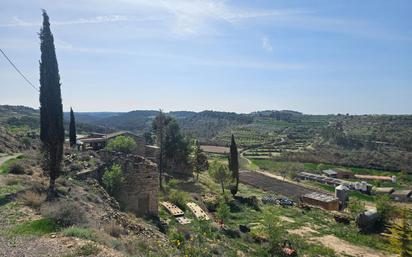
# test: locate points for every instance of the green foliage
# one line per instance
(5, 167)
(72, 129)
(176, 146)
(79, 232)
(234, 164)
(198, 159)
(220, 173)
(400, 237)
(35, 227)
(222, 211)
(122, 144)
(179, 198)
(113, 179)
(272, 228)
(172, 183)
(356, 207)
(51, 107)
(385, 208)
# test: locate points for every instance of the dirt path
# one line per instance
(3, 159)
(343, 248)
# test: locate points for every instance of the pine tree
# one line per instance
(234, 165)
(72, 129)
(401, 234)
(199, 159)
(51, 107)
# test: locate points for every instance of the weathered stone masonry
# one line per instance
(140, 188)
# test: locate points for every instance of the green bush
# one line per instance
(222, 211)
(79, 232)
(179, 198)
(35, 227)
(122, 144)
(113, 179)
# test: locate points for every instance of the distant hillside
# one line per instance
(26, 118)
(373, 141)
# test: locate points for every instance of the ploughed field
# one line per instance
(274, 185)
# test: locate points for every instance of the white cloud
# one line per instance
(266, 45)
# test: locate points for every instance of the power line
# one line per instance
(21, 74)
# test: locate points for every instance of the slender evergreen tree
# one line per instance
(72, 129)
(51, 108)
(234, 164)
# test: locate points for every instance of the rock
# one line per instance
(232, 233)
(240, 253)
(244, 229)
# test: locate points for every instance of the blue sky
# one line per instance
(315, 56)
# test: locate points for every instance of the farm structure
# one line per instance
(380, 178)
(97, 141)
(324, 201)
(340, 174)
(382, 190)
(402, 195)
(360, 186)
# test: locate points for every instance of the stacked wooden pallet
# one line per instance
(197, 211)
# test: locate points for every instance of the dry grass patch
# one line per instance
(32, 199)
(114, 230)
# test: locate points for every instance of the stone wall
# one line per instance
(138, 193)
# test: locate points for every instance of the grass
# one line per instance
(79, 232)
(276, 165)
(35, 227)
(5, 167)
(87, 250)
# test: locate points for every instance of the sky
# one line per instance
(312, 56)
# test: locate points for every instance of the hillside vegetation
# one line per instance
(370, 141)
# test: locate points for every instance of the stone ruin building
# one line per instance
(139, 191)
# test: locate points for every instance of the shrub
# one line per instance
(87, 250)
(32, 199)
(78, 232)
(113, 179)
(114, 230)
(172, 183)
(26, 141)
(35, 227)
(179, 198)
(16, 168)
(64, 213)
(222, 211)
(122, 144)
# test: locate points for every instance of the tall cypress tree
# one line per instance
(234, 164)
(51, 107)
(72, 129)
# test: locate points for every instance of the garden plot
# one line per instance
(271, 184)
